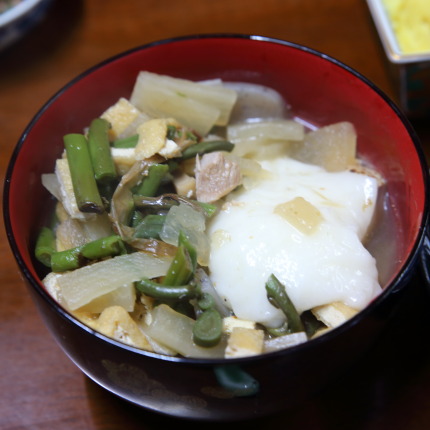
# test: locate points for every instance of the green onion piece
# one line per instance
(162, 291)
(99, 148)
(103, 247)
(277, 295)
(150, 227)
(68, 259)
(152, 181)
(82, 173)
(45, 246)
(207, 329)
(126, 142)
(206, 147)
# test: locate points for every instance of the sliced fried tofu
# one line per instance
(117, 323)
(334, 314)
(244, 342)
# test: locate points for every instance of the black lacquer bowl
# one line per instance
(321, 91)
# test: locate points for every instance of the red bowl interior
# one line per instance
(319, 89)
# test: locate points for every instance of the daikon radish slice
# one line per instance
(196, 105)
(89, 282)
(266, 130)
(124, 296)
(332, 147)
(192, 224)
(175, 331)
(264, 139)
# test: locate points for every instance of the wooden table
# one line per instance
(39, 387)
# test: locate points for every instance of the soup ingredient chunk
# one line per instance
(250, 241)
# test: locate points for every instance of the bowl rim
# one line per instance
(397, 282)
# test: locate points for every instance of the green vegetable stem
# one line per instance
(74, 258)
(150, 226)
(207, 330)
(163, 291)
(206, 147)
(150, 183)
(100, 153)
(82, 173)
(45, 246)
(69, 259)
(181, 269)
(277, 295)
(104, 247)
(126, 142)
(165, 201)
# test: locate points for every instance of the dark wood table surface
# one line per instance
(40, 388)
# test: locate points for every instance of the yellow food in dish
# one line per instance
(411, 24)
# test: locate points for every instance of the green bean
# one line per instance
(107, 190)
(82, 173)
(162, 291)
(277, 295)
(126, 142)
(45, 246)
(279, 331)
(104, 247)
(68, 259)
(205, 147)
(150, 227)
(206, 301)
(150, 183)
(99, 148)
(76, 257)
(207, 330)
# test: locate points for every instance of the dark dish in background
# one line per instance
(368, 396)
(18, 17)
